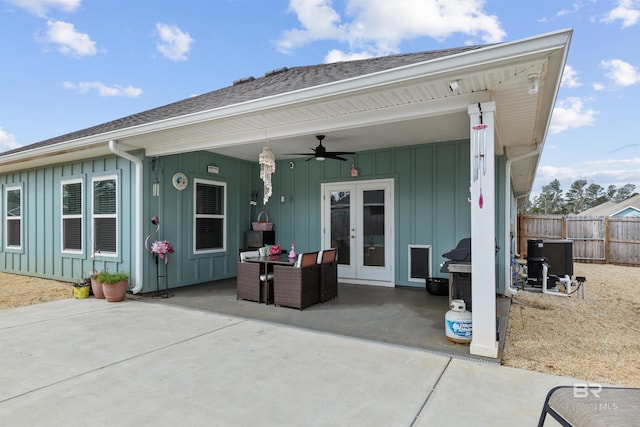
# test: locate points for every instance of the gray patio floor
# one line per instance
(140, 363)
(409, 317)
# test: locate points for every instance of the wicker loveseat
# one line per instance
(297, 287)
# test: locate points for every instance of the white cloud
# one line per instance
(41, 7)
(174, 44)
(570, 78)
(377, 27)
(570, 114)
(336, 55)
(103, 90)
(7, 141)
(69, 41)
(627, 11)
(620, 72)
(598, 86)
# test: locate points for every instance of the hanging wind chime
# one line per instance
(267, 163)
(479, 146)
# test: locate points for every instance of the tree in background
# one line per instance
(579, 198)
(623, 193)
(575, 199)
(550, 201)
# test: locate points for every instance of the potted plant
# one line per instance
(114, 285)
(81, 288)
(96, 286)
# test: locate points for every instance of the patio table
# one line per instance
(267, 260)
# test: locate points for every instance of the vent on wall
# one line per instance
(419, 262)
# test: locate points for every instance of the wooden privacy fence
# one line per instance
(595, 239)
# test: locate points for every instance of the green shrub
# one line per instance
(107, 278)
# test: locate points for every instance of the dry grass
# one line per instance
(596, 339)
(18, 291)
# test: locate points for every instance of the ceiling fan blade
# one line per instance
(338, 153)
(333, 156)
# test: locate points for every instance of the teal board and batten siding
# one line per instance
(41, 254)
(431, 189)
(175, 208)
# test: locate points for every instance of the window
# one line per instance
(209, 230)
(13, 203)
(72, 221)
(105, 215)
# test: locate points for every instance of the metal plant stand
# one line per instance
(166, 293)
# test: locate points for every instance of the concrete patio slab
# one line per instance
(89, 362)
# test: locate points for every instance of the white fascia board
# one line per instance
(364, 118)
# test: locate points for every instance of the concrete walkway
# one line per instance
(92, 363)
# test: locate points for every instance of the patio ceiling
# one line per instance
(402, 106)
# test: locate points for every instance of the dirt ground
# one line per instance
(596, 339)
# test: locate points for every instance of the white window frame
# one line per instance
(63, 217)
(95, 216)
(196, 216)
(13, 218)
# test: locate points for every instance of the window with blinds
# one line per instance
(72, 216)
(105, 217)
(209, 233)
(13, 203)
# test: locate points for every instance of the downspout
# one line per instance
(507, 216)
(515, 231)
(113, 146)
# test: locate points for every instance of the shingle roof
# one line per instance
(272, 83)
(610, 208)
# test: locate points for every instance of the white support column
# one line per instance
(483, 233)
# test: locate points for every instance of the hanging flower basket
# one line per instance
(262, 225)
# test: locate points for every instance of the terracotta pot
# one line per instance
(116, 291)
(96, 288)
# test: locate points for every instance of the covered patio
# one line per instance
(401, 316)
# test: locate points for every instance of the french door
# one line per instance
(357, 219)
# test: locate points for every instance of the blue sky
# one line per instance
(69, 64)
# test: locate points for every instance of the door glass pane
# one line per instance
(340, 218)
(373, 224)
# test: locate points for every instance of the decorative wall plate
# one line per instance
(180, 181)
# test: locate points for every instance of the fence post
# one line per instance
(607, 240)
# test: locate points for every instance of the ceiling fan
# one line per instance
(320, 152)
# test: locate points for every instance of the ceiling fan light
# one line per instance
(320, 159)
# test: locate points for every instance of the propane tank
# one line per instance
(457, 323)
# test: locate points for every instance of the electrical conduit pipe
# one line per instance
(113, 146)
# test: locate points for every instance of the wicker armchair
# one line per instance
(297, 287)
(251, 282)
(328, 263)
